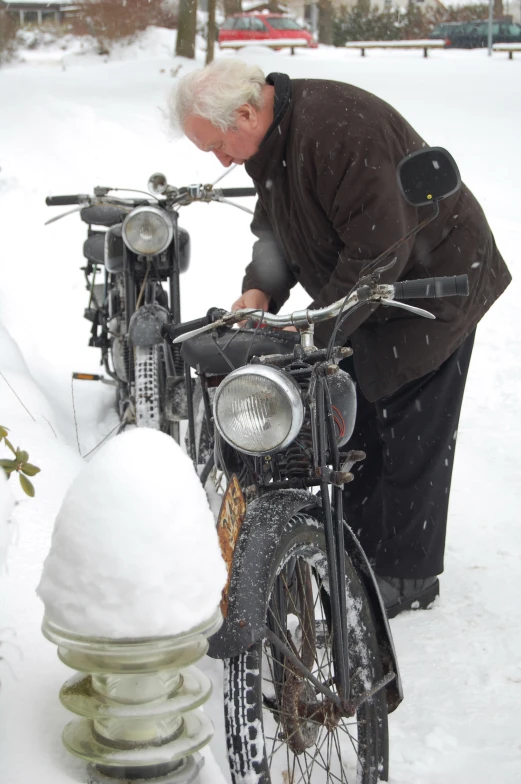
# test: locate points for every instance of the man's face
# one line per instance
(233, 146)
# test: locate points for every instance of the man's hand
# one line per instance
(253, 298)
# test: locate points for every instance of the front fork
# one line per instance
(325, 446)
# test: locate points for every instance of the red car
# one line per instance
(274, 30)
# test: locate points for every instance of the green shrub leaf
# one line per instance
(20, 464)
(27, 486)
(30, 470)
(10, 446)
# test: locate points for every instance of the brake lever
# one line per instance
(223, 322)
(221, 200)
(227, 171)
(411, 308)
(368, 278)
(64, 214)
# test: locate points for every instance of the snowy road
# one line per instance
(66, 129)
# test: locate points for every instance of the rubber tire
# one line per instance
(243, 708)
(150, 391)
(147, 387)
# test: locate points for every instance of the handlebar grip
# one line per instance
(450, 286)
(62, 201)
(172, 331)
(238, 192)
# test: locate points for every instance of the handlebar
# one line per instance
(452, 286)
(231, 192)
(63, 201)
(172, 331)
(174, 195)
(367, 291)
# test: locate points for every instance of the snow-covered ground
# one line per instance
(71, 121)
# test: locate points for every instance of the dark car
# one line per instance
(474, 35)
(443, 30)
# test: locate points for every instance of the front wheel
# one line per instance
(280, 729)
(147, 389)
(150, 382)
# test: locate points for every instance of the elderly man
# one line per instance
(323, 157)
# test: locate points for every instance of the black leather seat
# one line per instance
(94, 248)
(202, 353)
(103, 215)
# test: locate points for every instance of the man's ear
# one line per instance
(247, 114)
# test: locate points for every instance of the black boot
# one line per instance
(401, 594)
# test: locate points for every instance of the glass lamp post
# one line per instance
(138, 700)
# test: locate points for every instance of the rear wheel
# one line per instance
(280, 728)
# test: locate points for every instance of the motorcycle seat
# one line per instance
(239, 347)
(103, 214)
(94, 248)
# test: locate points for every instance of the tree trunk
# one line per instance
(186, 25)
(212, 31)
(232, 7)
(498, 9)
(325, 22)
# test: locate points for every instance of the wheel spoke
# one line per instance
(300, 768)
(317, 754)
(275, 737)
(339, 753)
(353, 745)
(318, 748)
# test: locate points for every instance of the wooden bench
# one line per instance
(510, 48)
(419, 44)
(273, 43)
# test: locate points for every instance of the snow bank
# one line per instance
(44, 48)
(22, 401)
(31, 421)
(6, 506)
(134, 552)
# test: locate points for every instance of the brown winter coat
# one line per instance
(328, 202)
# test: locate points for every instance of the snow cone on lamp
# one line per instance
(131, 588)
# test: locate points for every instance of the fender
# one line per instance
(254, 551)
(145, 325)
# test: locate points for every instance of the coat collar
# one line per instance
(271, 149)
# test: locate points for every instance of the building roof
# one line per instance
(38, 5)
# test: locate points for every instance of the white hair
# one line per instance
(216, 92)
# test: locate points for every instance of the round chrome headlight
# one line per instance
(147, 231)
(258, 409)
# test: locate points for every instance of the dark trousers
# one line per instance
(398, 501)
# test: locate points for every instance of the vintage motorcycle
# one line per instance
(135, 253)
(310, 671)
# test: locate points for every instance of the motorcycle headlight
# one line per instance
(147, 231)
(258, 409)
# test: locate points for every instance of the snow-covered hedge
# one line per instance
(7, 37)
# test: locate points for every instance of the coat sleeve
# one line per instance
(358, 190)
(268, 269)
